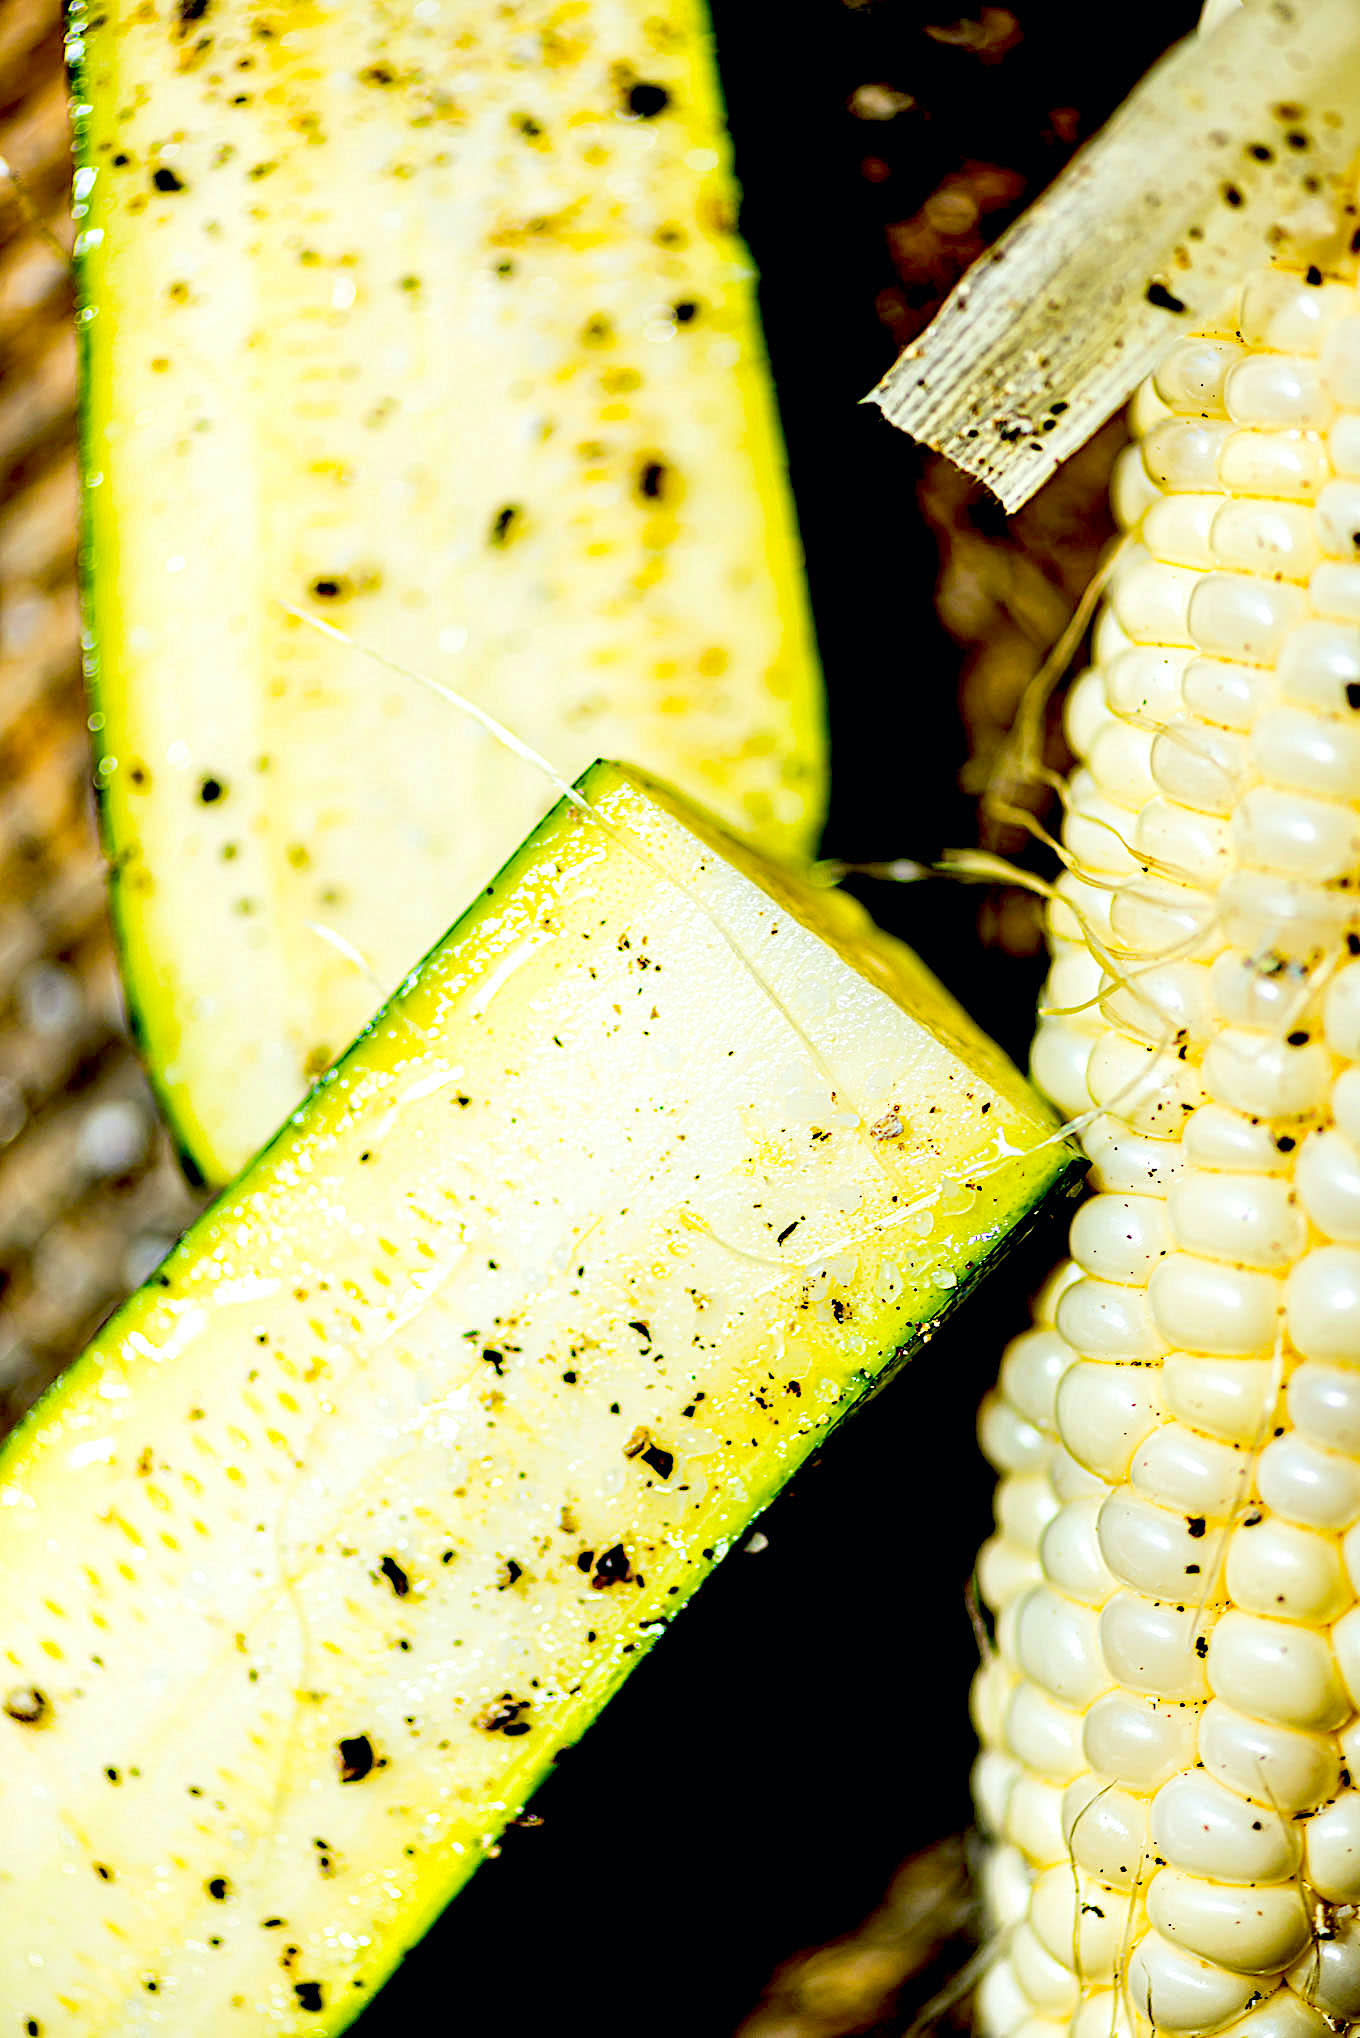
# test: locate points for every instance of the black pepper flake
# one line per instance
(1353, 944)
(355, 1758)
(661, 1461)
(165, 179)
(1196, 1525)
(652, 480)
(309, 1995)
(585, 1559)
(511, 1574)
(504, 1716)
(644, 1330)
(1313, 275)
(395, 1576)
(104, 1873)
(191, 10)
(646, 101)
(613, 1568)
(328, 587)
(503, 525)
(496, 1361)
(1353, 693)
(1201, 1645)
(788, 1231)
(29, 1707)
(685, 312)
(210, 791)
(1231, 195)
(219, 1889)
(1158, 295)
(1259, 153)
(570, 1379)
(1284, 1144)
(1298, 1038)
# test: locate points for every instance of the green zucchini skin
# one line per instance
(358, 1513)
(560, 488)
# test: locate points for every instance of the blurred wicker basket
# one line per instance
(90, 1195)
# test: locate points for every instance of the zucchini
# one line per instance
(357, 1513)
(431, 320)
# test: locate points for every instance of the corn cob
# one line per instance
(1169, 1717)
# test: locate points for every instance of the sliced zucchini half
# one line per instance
(432, 321)
(358, 1512)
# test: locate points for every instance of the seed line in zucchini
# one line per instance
(356, 1515)
(441, 327)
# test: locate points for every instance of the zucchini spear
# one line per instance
(432, 320)
(360, 1510)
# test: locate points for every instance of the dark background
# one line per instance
(805, 1726)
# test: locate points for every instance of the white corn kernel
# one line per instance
(1030, 1371)
(1279, 1767)
(1105, 1412)
(1154, 1647)
(1265, 1077)
(1080, 1920)
(1192, 374)
(1322, 1304)
(1159, 1550)
(1306, 1484)
(1180, 1992)
(1199, 765)
(1277, 390)
(1120, 1238)
(1283, 464)
(1324, 1404)
(1181, 1468)
(1049, 1985)
(1246, 1220)
(1249, 1930)
(1228, 694)
(1107, 1831)
(1216, 1137)
(1291, 747)
(1291, 1573)
(1341, 1012)
(1328, 1179)
(1331, 1850)
(1183, 453)
(1201, 1826)
(1057, 1645)
(1208, 1306)
(1138, 1741)
(1231, 1399)
(1042, 1734)
(1284, 1671)
(1070, 1553)
(1144, 682)
(1327, 1974)
(1024, 1508)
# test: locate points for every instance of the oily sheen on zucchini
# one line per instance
(432, 320)
(356, 1514)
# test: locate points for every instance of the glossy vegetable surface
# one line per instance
(434, 321)
(356, 1515)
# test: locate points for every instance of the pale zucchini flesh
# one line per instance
(432, 320)
(354, 1517)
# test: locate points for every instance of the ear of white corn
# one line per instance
(1169, 1720)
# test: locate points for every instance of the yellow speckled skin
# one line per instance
(434, 321)
(361, 1509)
(1169, 1723)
